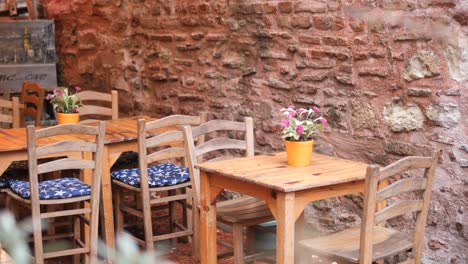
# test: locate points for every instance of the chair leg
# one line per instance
(37, 235)
(76, 233)
(147, 222)
(250, 240)
(194, 224)
(119, 217)
(238, 243)
(172, 216)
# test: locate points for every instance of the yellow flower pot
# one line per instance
(68, 118)
(299, 152)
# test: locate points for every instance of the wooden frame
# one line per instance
(373, 242)
(78, 147)
(169, 146)
(13, 106)
(242, 212)
(112, 98)
(32, 98)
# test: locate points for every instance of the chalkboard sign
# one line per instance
(27, 53)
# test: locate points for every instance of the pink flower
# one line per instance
(316, 109)
(292, 114)
(284, 123)
(291, 106)
(77, 88)
(55, 89)
(300, 129)
(324, 121)
(59, 93)
(49, 96)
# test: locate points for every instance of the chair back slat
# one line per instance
(397, 209)
(97, 110)
(69, 145)
(12, 109)
(94, 110)
(66, 129)
(93, 95)
(165, 154)
(218, 125)
(65, 164)
(177, 120)
(371, 217)
(220, 144)
(405, 164)
(164, 138)
(402, 186)
(32, 98)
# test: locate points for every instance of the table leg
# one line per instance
(106, 200)
(285, 226)
(207, 222)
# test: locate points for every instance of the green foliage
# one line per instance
(63, 101)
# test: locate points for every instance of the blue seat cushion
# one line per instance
(53, 189)
(4, 182)
(160, 175)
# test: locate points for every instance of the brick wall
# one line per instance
(391, 76)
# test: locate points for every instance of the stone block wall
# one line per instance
(390, 75)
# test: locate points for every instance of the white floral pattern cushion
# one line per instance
(160, 175)
(53, 189)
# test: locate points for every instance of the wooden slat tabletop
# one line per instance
(272, 171)
(122, 129)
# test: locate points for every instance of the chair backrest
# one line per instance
(11, 115)
(167, 144)
(220, 138)
(372, 196)
(77, 142)
(98, 110)
(32, 97)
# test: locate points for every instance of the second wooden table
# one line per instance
(287, 190)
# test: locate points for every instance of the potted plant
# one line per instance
(300, 127)
(65, 105)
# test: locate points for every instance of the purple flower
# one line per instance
(300, 129)
(324, 121)
(316, 109)
(284, 123)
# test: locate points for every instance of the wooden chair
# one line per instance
(165, 177)
(38, 196)
(32, 97)
(374, 242)
(97, 110)
(242, 212)
(11, 114)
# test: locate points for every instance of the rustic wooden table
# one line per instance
(287, 190)
(121, 136)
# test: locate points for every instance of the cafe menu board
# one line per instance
(27, 53)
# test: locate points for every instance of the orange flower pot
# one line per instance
(68, 118)
(299, 152)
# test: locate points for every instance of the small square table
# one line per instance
(286, 190)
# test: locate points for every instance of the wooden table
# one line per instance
(121, 136)
(287, 190)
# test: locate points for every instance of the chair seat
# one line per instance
(62, 188)
(344, 245)
(245, 209)
(160, 175)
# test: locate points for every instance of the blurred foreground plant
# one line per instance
(13, 239)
